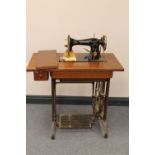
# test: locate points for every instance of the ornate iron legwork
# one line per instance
(100, 93)
(98, 99)
(72, 121)
(99, 104)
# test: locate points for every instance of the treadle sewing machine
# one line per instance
(94, 52)
(69, 67)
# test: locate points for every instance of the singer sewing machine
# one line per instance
(94, 52)
(45, 64)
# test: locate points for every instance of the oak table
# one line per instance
(45, 64)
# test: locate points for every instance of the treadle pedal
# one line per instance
(75, 121)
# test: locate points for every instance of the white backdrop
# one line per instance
(50, 21)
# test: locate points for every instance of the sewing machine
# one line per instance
(94, 52)
(45, 64)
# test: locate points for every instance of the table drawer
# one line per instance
(58, 74)
(41, 75)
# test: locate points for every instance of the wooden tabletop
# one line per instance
(49, 60)
(110, 63)
(46, 59)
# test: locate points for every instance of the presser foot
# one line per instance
(69, 56)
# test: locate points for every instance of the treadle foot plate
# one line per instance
(75, 121)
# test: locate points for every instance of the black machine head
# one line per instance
(104, 42)
(94, 44)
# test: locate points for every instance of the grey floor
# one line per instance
(76, 142)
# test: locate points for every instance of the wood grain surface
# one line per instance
(49, 61)
(32, 63)
(110, 63)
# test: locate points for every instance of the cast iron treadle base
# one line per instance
(75, 121)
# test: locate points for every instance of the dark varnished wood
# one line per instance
(59, 74)
(41, 75)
